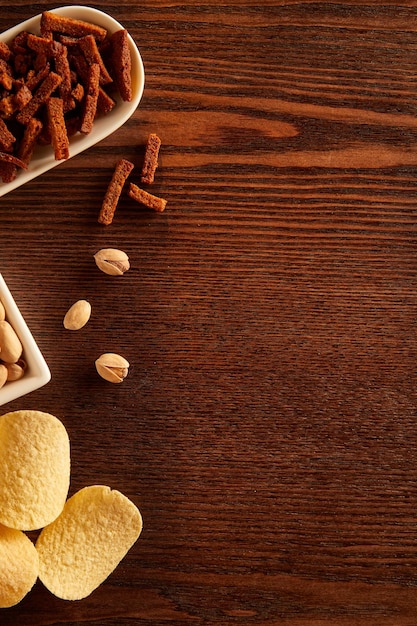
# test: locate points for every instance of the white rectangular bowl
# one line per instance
(37, 373)
(104, 125)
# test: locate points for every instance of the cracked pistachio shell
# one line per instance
(112, 261)
(77, 315)
(112, 367)
(10, 346)
(2, 312)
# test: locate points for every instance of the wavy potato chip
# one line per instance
(19, 566)
(34, 469)
(83, 546)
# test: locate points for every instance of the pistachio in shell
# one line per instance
(112, 261)
(112, 367)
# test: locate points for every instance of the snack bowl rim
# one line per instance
(43, 158)
(37, 373)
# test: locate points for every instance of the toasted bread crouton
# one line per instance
(5, 51)
(92, 55)
(91, 97)
(28, 142)
(114, 189)
(62, 68)
(7, 139)
(150, 161)
(147, 199)
(57, 128)
(122, 63)
(54, 23)
(43, 92)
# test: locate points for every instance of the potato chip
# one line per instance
(19, 566)
(82, 547)
(34, 469)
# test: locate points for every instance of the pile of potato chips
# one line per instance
(83, 538)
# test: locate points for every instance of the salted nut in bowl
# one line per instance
(23, 368)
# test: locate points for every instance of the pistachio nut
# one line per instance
(112, 261)
(77, 315)
(10, 346)
(3, 375)
(15, 371)
(2, 312)
(112, 367)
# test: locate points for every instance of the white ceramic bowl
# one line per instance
(37, 373)
(43, 157)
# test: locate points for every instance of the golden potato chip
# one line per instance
(19, 566)
(82, 547)
(34, 469)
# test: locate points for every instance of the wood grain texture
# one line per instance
(267, 429)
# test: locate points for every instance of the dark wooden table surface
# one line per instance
(267, 428)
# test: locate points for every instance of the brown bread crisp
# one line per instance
(49, 85)
(57, 128)
(92, 54)
(53, 23)
(5, 51)
(150, 162)
(25, 149)
(8, 166)
(7, 138)
(109, 206)
(105, 103)
(6, 77)
(147, 199)
(28, 142)
(21, 97)
(62, 68)
(14, 160)
(34, 78)
(122, 63)
(90, 104)
(39, 44)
